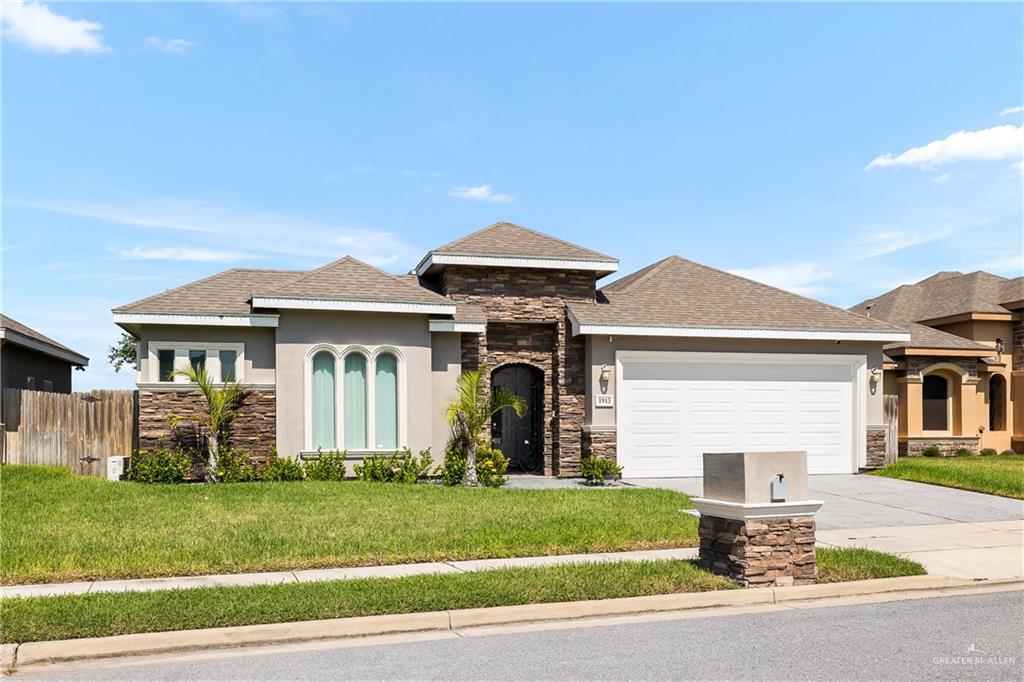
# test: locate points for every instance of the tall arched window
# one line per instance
(323, 401)
(935, 398)
(386, 401)
(996, 403)
(355, 401)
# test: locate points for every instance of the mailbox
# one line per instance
(755, 477)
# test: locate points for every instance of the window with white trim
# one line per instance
(223, 362)
(355, 401)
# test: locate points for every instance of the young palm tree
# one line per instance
(222, 405)
(469, 414)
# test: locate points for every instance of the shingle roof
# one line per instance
(226, 293)
(922, 336)
(509, 239)
(12, 325)
(942, 295)
(348, 279)
(1011, 293)
(675, 292)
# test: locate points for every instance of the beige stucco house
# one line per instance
(652, 370)
(960, 378)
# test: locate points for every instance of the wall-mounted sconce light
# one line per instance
(1000, 347)
(606, 374)
(876, 375)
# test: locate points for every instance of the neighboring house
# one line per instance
(652, 370)
(35, 362)
(960, 378)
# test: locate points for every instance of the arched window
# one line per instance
(355, 401)
(996, 403)
(386, 401)
(323, 401)
(935, 399)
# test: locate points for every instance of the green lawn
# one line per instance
(995, 475)
(57, 528)
(104, 614)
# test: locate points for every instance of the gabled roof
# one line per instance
(944, 294)
(923, 336)
(14, 332)
(226, 293)
(1011, 293)
(348, 279)
(510, 245)
(680, 295)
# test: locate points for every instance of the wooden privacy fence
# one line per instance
(76, 430)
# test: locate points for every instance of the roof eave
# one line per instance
(931, 351)
(131, 321)
(435, 261)
(354, 305)
(67, 355)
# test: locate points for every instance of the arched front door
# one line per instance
(521, 439)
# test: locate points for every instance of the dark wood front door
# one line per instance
(521, 439)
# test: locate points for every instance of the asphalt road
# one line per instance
(963, 637)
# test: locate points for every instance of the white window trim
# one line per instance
(181, 350)
(858, 368)
(370, 354)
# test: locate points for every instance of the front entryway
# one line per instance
(521, 439)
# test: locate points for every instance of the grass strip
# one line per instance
(56, 528)
(995, 475)
(843, 564)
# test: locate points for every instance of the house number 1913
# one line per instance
(604, 400)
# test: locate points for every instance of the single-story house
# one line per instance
(29, 360)
(651, 370)
(960, 378)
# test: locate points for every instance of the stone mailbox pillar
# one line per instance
(756, 521)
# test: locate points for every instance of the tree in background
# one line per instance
(124, 352)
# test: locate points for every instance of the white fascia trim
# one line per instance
(200, 320)
(432, 259)
(17, 339)
(355, 306)
(453, 326)
(736, 333)
(740, 511)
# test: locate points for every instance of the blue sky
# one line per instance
(833, 150)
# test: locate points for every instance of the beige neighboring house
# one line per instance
(960, 377)
(652, 370)
(31, 361)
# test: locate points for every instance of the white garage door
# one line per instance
(673, 407)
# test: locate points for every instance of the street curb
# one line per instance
(29, 653)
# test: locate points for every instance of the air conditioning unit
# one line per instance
(115, 467)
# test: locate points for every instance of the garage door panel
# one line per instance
(670, 413)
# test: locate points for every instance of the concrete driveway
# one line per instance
(952, 532)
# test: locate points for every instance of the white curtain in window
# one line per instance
(323, 401)
(355, 401)
(386, 400)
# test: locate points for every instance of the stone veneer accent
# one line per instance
(760, 553)
(948, 445)
(876, 448)
(917, 364)
(527, 322)
(599, 444)
(254, 429)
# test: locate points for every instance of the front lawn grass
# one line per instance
(843, 564)
(54, 527)
(996, 475)
(104, 614)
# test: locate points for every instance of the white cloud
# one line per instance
(231, 227)
(178, 46)
(990, 144)
(1011, 110)
(800, 278)
(942, 179)
(181, 253)
(36, 27)
(480, 193)
(885, 239)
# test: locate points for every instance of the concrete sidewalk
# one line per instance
(991, 550)
(323, 574)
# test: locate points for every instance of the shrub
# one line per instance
(160, 466)
(931, 451)
(491, 465)
(329, 466)
(279, 468)
(403, 467)
(988, 452)
(1007, 453)
(594, 469)
(453, 470)
(235, 466)
(963, 452)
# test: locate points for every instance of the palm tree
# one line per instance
(471, 411)
(222, 405)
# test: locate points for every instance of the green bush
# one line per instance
(403, 467)
(963, 452)
(491, 466)
(931, 451)
(988, 452)
(329, 466)
(160, 466)
(594, 469)
(235, 466)
(452, 471)
(279, 468)
(1007, 453)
